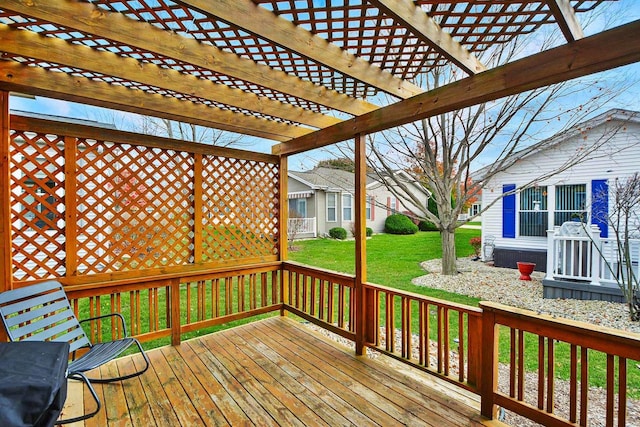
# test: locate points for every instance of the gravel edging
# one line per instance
(502, 285)
(476, 279)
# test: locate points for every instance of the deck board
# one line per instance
(274, 372)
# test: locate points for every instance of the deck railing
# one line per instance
(437, 336)
(323, 297)
(558, 344)
(451, 341)
(169, 306)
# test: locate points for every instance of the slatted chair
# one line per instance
(42, 312)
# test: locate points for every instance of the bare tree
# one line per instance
(441, 151)
(623, 218)
(295, 226)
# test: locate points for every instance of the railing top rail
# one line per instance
(600, 338)
(334, 275)
(188, 274)
(474, 311)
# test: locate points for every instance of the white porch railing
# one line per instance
(587, 258)
(299, 226)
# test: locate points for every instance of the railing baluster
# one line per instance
(610, 389)
(313, 299)
(340, 306)
(389, 323)
(440, 333)
(622, 392)
(521, 365)
(550, 375)
(228, 295)
(447, 344)
(321, 302)
(461, 346)
(512, 362)
(540, 372)
(573, 384)
(584, 385)
(188, 307)
(305, 300)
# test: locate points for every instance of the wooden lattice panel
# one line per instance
(240, 209)
(37, 206)
(134, 207)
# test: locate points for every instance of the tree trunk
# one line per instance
(449, 267)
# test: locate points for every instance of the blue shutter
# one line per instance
(509, 212)
(600, 205)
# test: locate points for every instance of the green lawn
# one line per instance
(392, 260)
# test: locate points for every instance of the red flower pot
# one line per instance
(525, 269)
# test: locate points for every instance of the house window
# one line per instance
(298, 207)
(474, 209)
(368, 209)
(533, 211)
(332, 201)
(346, 207)
(394, 205)
(571, 201)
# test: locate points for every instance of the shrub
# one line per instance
(399, 224)
(369, 232)
(476, 243)
(338, 233)
(425, 225)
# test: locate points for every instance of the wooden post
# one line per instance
(6, 276)
(175, 312)
(283, 228)
(70, 206)
(197, 208)
(489, 371)
(361, 241)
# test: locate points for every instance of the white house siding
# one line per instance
(619, 157)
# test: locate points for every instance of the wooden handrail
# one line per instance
(581, 338)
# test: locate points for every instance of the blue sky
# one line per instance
(621, 11)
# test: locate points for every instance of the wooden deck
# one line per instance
(272, 372)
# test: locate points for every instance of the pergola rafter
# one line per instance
(567, 19)
(425, 27)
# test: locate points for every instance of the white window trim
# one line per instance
(344, 206)
(335, 207)
(367, 209)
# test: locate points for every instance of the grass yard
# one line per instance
(392, 260)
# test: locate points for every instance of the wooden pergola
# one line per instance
(120, 215)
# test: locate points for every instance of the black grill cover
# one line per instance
(33, 384)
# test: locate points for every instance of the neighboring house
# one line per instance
(474, 210)
(520, 221)
(323, 198)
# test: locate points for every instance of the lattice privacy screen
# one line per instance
(88, 207)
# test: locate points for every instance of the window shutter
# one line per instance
(509, 212)
(600, 205)
(373, 208)
(388, 206)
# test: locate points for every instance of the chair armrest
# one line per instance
(118, 315)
